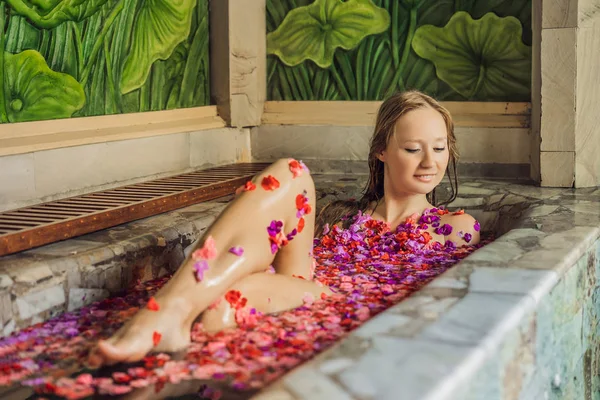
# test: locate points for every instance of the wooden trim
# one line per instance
(25, 137)
(363, 113)
(89, 213)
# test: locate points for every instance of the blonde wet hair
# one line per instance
(392, 109)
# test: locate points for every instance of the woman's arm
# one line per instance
(465, 229)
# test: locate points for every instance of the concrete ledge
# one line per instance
(484, 152)
(49, 175)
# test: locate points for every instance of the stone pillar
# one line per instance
(570, 93)
(536, 90)
(587, 131)
(238, 38)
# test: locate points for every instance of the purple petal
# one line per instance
(291, 235)
(304, 167)
(444, 230)
(199, 268)
(274, 248)
(238, 251)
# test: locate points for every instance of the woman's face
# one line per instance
(416, 156)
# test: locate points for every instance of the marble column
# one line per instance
(238, 38)
(570, 93)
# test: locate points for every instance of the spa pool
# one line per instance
(516, 319)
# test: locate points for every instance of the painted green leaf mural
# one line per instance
(382, 63)
(480, 59)
(48, 14)
(32, 91)
(315, 31)
(160, 26)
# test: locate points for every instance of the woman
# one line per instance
(272, 222)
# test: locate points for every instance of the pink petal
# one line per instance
(308, 298)
(208, 250)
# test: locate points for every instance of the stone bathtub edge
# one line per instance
(439, 342)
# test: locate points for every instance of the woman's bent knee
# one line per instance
(284, 165)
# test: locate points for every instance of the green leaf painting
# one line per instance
(479, 59)
(76, 58)
(49, 14)
(314, 32)
(452, 49)
(30, 89)
(160, 26)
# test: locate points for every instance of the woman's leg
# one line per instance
(242, 224)
(267, 293)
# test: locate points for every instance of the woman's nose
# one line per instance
(427, 160)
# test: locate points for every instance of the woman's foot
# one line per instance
(164, 330)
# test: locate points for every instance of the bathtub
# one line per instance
(517, 319)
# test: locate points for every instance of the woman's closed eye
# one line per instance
(436, 149)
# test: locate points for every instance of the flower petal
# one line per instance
(207, 252)
(156, 338)
(152, 304)
(238, 251)
(269, 183)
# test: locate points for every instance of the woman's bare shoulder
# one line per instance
(465, 228)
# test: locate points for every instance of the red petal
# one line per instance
(249, 186)
(300, 225)
(269, 183)
(300, 202)
(242, 303)
(232, 297)
(156, 338)
(153, 305)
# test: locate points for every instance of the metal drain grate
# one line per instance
(45, 223)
